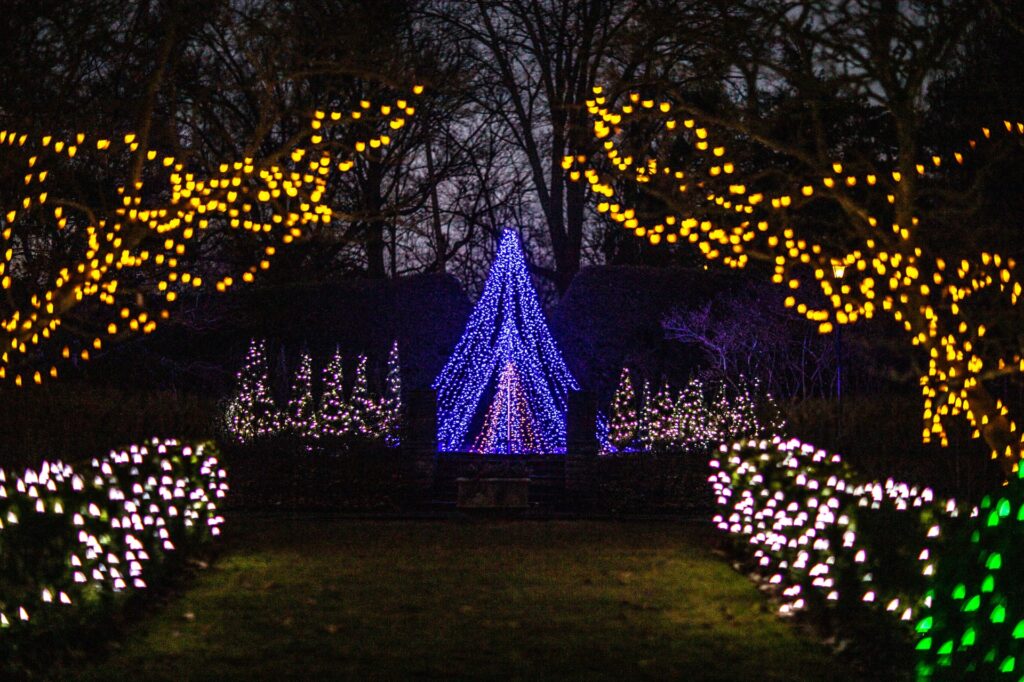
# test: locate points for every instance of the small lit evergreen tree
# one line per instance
(717, 400)
(335, 416)
(643, 422)
(251, 412)
(366, 412)
(662, 431)
(392, 401)
(302, 415)
(692, 420)
(742, 419)
(622, 426)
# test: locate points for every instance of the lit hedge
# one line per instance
(75, 540)
(974, 627)
(824, 541)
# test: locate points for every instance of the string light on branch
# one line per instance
(133, 265)
(729, 215)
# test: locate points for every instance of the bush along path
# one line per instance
(884, 564)
(974, 623)
(77, 542)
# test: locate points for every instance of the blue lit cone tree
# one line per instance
(507, 326)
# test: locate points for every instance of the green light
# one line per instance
(946, 649)
(995, 561)
(1018, 632)
(998, 614)
(1008, 663)
(973, 604)
(925, 644)
(925, 624)
(989, 584)
(1004, 507)
(993, 519)
(975, 537)
(969, 637)
(986, 502)
(1020, 513)
(960, 591)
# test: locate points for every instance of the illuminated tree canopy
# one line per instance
(136, 244)
(946, 303)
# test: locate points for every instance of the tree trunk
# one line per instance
(376, 265)
(440, 243)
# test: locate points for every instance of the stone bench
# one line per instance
(493, 493)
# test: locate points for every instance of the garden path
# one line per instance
(322, 598)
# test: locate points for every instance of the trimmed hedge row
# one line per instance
(854, 554)
(76, 541)
(849, 551)
(973, 627)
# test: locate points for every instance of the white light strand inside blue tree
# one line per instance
(506, 326)
(509, 424)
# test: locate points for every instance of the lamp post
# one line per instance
(838, 270)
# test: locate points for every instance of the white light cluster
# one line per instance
(82, 534)
(696, 418)
(800, 510)
(252, 414)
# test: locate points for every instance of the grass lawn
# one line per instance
(317, 598)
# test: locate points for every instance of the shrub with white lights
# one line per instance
(824, 540)
(72, 539)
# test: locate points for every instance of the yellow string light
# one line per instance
(261, 197)
(885, 273)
